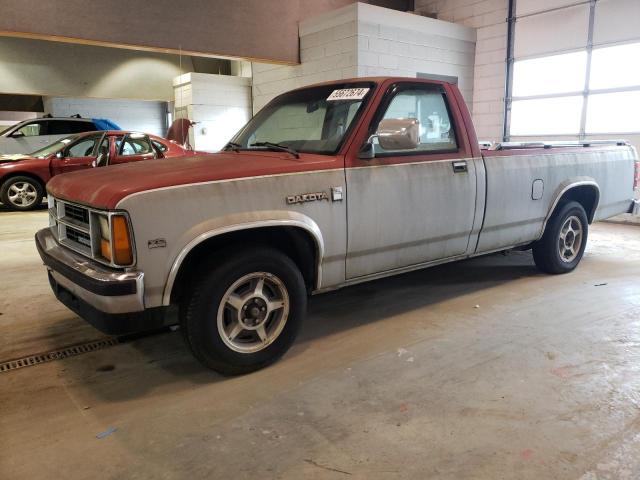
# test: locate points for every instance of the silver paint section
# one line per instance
(566, 187)
(406, 214)
(189, 214)
(537, 189)
(401, 217)
(512, 217)
(295, 220)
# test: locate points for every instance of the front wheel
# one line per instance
(562, 246)
(245, 312)
(21, 193)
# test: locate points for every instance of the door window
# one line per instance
(83, 148)
(134, 145)
(428, 106)
(161, 147)
(66, 127)
(32, 129)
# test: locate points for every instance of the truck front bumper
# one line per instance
(112, 301)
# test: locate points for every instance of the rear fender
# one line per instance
(564, 188)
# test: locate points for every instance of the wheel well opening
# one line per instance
(295, 242)
(586, 195)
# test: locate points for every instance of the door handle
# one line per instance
(459, 167)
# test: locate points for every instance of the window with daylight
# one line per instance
(583, 84)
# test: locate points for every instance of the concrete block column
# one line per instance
(219, 104)
(365, 40)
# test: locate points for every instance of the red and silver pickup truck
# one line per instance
(327, 186)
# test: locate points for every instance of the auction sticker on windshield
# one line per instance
(348, 94)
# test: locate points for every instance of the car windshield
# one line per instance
(312, 120)
(54, 147)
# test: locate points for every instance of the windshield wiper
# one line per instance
(276, 146)
(233, 146)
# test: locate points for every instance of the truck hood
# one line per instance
(105, 187)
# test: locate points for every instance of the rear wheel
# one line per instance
(562, 246)
(245, 312)
(21, 193)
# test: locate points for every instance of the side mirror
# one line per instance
(399, 133)
(17, 134)
(59, 154)
(368, 151)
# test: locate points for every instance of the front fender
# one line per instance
(235, 222)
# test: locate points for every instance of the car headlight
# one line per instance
(115, 239)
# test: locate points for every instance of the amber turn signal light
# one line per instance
(122, 254)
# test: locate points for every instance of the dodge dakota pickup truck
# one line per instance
(327, 186)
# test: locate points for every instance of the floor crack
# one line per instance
(315, 464)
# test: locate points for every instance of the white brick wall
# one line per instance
(401, 44)
(328, 51)
(489, 18)
(221, 104)
(364, 40)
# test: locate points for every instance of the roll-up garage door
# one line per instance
(576, 70)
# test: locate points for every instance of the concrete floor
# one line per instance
(480, 369)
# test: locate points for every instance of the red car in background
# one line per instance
(23, 177)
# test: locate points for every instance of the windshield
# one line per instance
(54, 147)
(312, 120)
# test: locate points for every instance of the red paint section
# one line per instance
(45, 168)
(105, 187)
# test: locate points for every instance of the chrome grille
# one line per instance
(76, 213)
(78, 237)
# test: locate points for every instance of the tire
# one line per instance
(22, 193)
(222, 314)
(562, 246)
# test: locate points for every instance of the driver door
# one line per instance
(77, 156)
(414, 206)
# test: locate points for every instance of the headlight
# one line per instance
(115, 239)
